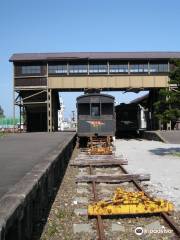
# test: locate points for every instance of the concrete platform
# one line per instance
(170, 136)
(32, 167)
(163, 136)
(19, 153)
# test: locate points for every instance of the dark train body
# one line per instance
(130, 118)
(95, 116)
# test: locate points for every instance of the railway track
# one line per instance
(103, 173)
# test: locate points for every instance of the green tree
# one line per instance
(167, 108)
(1, 112)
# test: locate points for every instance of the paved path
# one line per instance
(170, 136)
(19, 153)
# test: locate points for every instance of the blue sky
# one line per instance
(83, 25)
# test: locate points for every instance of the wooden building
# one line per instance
(38, 77)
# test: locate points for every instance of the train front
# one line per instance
(96, 116)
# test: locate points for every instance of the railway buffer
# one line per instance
(124, 202)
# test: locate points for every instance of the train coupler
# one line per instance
(124, 203)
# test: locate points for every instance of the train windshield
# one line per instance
(83, 109)
(95, 109)
(107, 108)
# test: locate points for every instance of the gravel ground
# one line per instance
(159, 160)
(59, 222)
(162, 161)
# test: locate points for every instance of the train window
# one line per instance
(83, 109)
(95, 109)
(125, 116)
(106, 108)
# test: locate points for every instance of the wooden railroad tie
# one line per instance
(105, 162)
(98, 157)
(113, 178)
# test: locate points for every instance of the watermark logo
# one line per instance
(151, 229)
(139, 231)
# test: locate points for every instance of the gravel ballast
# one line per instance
(159, 160)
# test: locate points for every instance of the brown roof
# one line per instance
(92, 55)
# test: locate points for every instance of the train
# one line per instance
(98, 118)
(95, 117)
(130, 119)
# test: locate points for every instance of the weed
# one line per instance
(52, 229)
(176, 154)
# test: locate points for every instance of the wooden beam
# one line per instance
(99, 157)
(113, 178)
(99, 163)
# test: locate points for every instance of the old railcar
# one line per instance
(130, 118)
(96, 116)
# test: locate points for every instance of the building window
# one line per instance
(31, 69)
(139, 68)
(58, 69)
(98, 68)
(118, 68)
(78, 69)
(158, 68)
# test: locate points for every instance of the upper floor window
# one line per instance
(75, 69)
(98, 68)
(118, 68)
(58, 69)
(139, 68)
(31, 69)
(158, 67)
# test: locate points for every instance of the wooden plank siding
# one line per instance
(108, 82)
(25, 82)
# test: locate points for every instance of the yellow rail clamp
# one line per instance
(129, 203)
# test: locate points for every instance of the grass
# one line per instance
(176, 154)
(2, 134)
(61, 214)
(52, 229)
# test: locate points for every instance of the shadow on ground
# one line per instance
(166, 151)
(129, 136)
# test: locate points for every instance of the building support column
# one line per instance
(49, 110)
(14, 110)
(14, 101)
(20, 113)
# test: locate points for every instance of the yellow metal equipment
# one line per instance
(129, 203)
(100, 150)
(100, 146)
